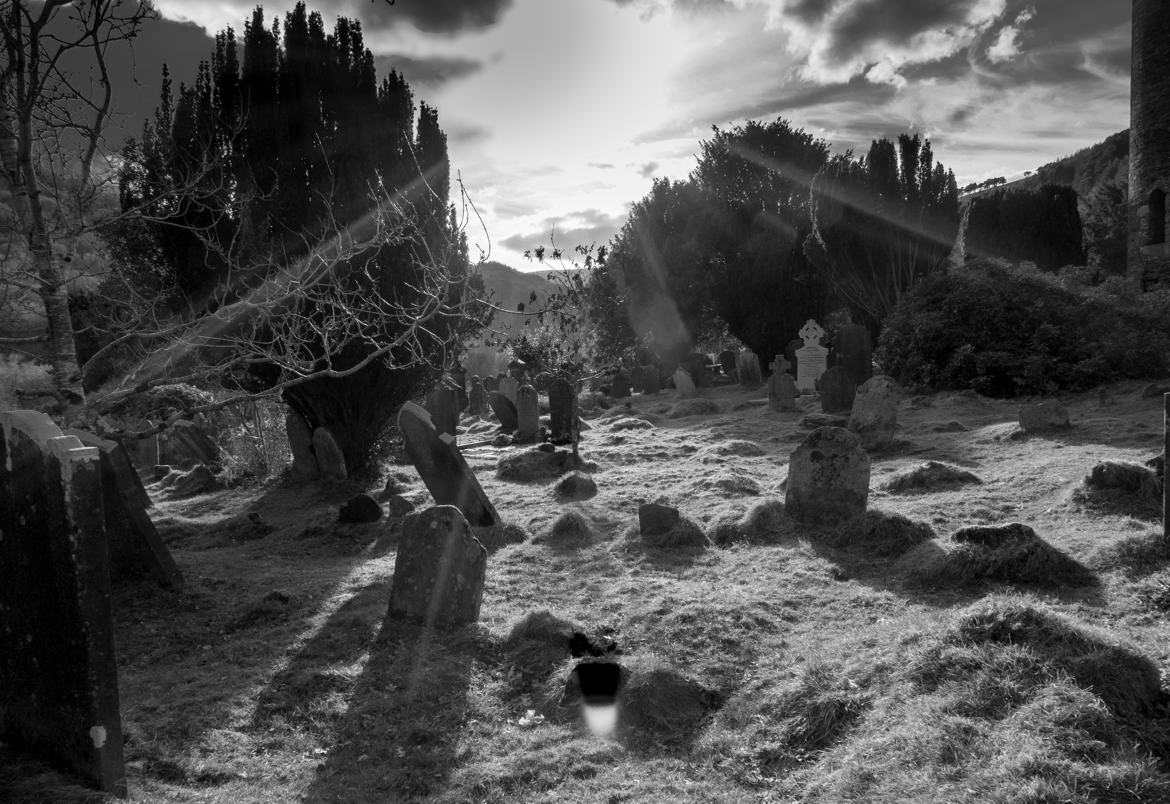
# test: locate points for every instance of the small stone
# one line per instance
(1049, 415)
(398, 506)
(359, 509)
(655, 519)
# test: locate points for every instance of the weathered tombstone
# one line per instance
(875, 411)
(491, 384)
(439, 569)
(508, 387)
(443, 405)
(697, 367)
(477, 397)
(727, 362)
(651, 383)
(855, 352)
(790, 355)
(780, 364)
(442, 468)
(837, 390)
(134, 546)
(330, 458)
(781, 392)
(748, 366)
(300, 442)
(636, 385)
(812, 358)
(562, 410)
(684, 383)
(527, 415)
(458, 380)
(619, 386)
(828, 478)
(58, 675)
(505, 411)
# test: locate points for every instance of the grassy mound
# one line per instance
(569, 530)
(880, 534)
(497, 536)
(536, 464)
(735, 448)
(692, 407)
(930, 476)
(1121, 487)
(1010, 553)
(1137, 555)
(766, 523)
(661, 706)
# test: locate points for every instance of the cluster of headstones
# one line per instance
(515, 402)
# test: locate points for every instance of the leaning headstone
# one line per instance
(684, 383)
(58, 674)
(828, 478)
(875, 412)
(134, 546)
(727, 363)
(855, 353)
(651, 383)
(837, 390)
(442, 467)
(505, 410)
(443, 405)
(477, 397)
(619, 386)
(562, 410)
(300, 443)
(1045, 416)
(527, 415)
(508, 387)
(812, 358)
(439, 570)
(781, 392)
(330, 458)
(748, 366)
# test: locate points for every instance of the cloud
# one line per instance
(427, 71)
(568, 231)
(1007, 43)
(647, 170)
(434, 16)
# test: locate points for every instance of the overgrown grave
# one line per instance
(58, 676)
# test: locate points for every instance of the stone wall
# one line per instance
(58, 678)
(1149, 137)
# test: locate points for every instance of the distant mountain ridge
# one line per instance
(1087, 169)
(511, 288)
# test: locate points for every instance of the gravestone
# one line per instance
(748, 366)
(855, 353)
(727, 363)
(442, 468)
(828, 478)
(477, 397)
(781, 392)
(192, 445)
(562, 410)
(684, 383)
(491, 384)
(508, 387)
(132, 541)
(439, 570)
(697, 367)
(812, 358)
(443, 405)
(636, 385)
(527, 415)
(837, 390)
(875, 412)
(330, 458)
(505, 411)
(790, 355)
(300, 442)
(58, 675)
(619, 386)
(651, 382)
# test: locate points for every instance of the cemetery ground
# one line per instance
(785, 664)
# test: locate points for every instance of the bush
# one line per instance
(1006, 331)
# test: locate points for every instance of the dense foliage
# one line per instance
(1105, 221)
(1040, 225)
(1006, 331)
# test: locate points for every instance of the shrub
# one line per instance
(1006, 331)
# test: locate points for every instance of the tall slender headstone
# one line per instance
(683, 383)
(619, 386)
(477, 397)
(443, 405)
(562, 410)
(527, 415)
(1166, 454)
(854, 352)
(748, 366)
(330, 458)
(505, 411)
(300, 443)
(811, 359)
(651, 382)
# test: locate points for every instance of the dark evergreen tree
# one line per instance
(1040, 225)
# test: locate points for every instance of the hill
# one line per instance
(510, 288)
(1084, 171)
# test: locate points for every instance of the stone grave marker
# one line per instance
(330, 458)
(837, 390)
(134, 546)
(508, 387)
(697, 367)
(192, 445)
(855, 353)
(443, 405)
(828, 478)
(527, 415)
(748, 366)
(58, 673)
(812, 358)
(636, 385)
(442, 468)
(875, 411)
(439, 569)
(619, 386)
(727, 363)
(651, 382)
(505, 411)
(790, 355)
(300, 442)
(477, 397)
(562, 410)
(491, 384)
(684, 383)
(781, 392)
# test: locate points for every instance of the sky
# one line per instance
(560, 113)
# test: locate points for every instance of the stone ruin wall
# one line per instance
(1149, 149)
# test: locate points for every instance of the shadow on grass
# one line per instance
(398, 739)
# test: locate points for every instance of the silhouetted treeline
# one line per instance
(1041, 225)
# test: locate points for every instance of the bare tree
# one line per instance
(51, 127)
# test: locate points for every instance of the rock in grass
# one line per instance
(359, 509)
(881, 534)
(1124, 476)
(930, 476)
(1044, 417)
(655, 519)
(398, 506)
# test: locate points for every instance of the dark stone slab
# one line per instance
(58, 677)
(837, 390)
(300, 443)
(619, 386)
(439, 569)
(359, 509)
(562, 410)
(330, 458)
(655, 519)
(443, 405)
(527, 415)
(442, 467)
(855, 352)
(651, 382)
(828, 478)
(505, 411)
(727, 362)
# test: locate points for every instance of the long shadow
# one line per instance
(398, 740)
